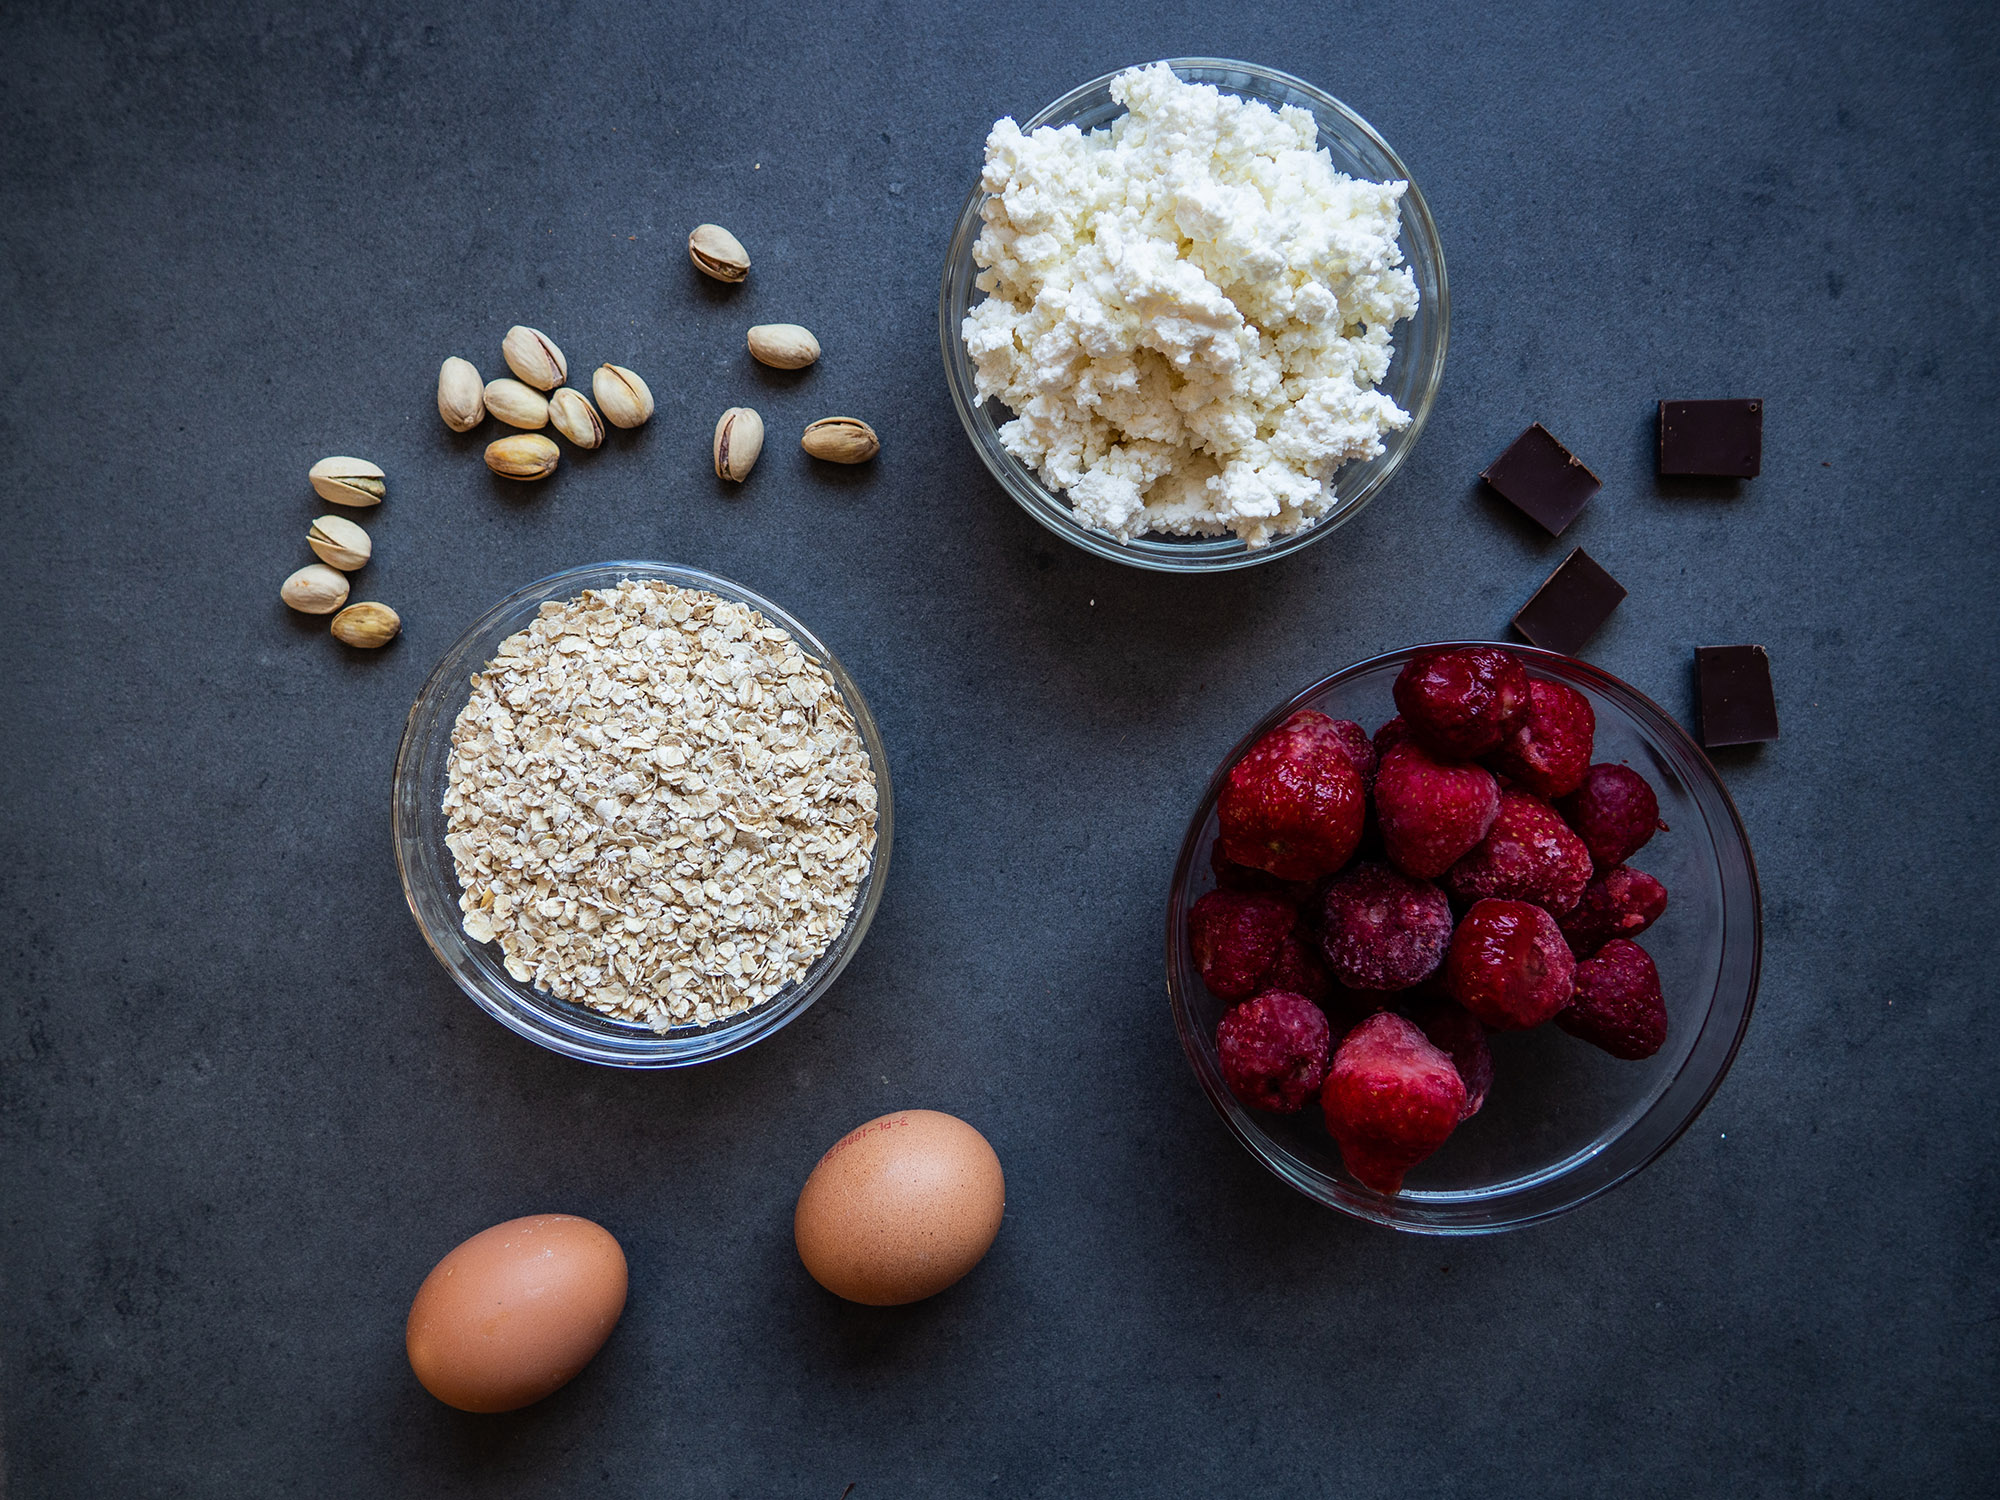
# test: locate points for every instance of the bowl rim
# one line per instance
(543, 1018)
(1208, 554)
(1236, 1118)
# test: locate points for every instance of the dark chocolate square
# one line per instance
(1542, 479)
(1736, 703)
(1567, 609)
(1724, 439)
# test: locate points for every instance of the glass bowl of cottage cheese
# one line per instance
(1194, 314)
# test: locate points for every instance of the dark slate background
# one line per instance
(243, 1111)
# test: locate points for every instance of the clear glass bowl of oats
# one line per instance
(641, 814)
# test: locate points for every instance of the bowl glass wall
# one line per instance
(1564, 1121)
(430, 882)
(1414, 371)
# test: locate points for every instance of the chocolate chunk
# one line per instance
(1720, 438)
(1566, 610)
(1736, 703)
(1542, 479)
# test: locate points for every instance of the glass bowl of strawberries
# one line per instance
(1462, 936)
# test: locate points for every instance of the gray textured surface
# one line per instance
(242, 1111)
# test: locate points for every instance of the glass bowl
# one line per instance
(1564, 1121)
(1414, 371)
(430, 883)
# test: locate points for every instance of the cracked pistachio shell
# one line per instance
(526, 455)
(461, 394)
(348, 481)
(739, 438)
(533, 355)
(339, 543)
(622, 396)
(516, 404)
(367, 625)
(575, 418)
(718, 253)
(314, 590)
(783, 346)
(841, 440)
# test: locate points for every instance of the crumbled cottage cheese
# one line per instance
(1187, 312)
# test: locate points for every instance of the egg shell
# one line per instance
(516, 1311)
(900, 1208)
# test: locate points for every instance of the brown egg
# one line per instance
(516, 1311)
(900, 1208)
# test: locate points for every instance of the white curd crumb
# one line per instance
(1187, 312)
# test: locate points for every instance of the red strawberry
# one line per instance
(1297, 968)
(1231, 876)
(1463, 703)
(1432, 811)
(1382, 930)
(1391, 1099)
(1457, 1033)
(1390, 735)
(1293, 804)
(1550, 750)
(1618, 1005)
(1360, 749)
(1614, 811)
(1529, 854)
(1236, 937)
(1620, 903)
(1508, 965)
(1273, 1051)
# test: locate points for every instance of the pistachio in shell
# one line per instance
(348, 481)
(315, 589)
(571, 414)
(367, 625)
(525, 455)
(622, 396)
(718, 253)
(533, 355)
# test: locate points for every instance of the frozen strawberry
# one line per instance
(1431, 811)
(1381, 929)
(1273, 1051)
(1529, 854)
(1550, 750)
(1391, 1099)
(1390, 735)
(1508, 965)
(1360, 749)
(1466, 702)
(1620, 903)
(1614, 811)
(1293, 804)
(1236, 937)
(1231, 876)
(1618, 1005)
(1456, 1032)
(1298, 968)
